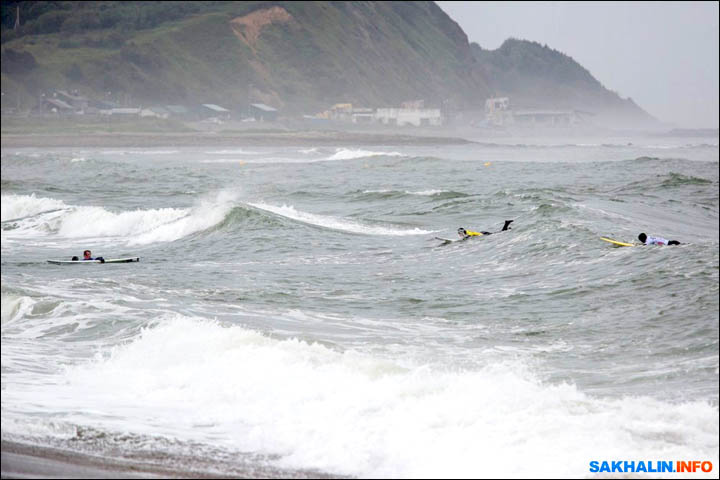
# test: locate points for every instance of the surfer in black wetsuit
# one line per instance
(467, 233)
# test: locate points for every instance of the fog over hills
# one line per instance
(298, 57)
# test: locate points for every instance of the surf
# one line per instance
(134, 227)
(333, 223)
(201, 381)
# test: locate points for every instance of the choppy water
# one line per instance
(291, 306)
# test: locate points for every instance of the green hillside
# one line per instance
(294, 55)
(301, 57)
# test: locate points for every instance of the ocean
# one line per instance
(293, 313)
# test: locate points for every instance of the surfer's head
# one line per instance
(642, 237)
(462, 232)
(87, 254)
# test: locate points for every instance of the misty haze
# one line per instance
(359, 239)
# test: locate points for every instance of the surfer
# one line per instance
(468, 233)
(87, 255)
(656, 240)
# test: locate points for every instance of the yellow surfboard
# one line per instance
(616, 243)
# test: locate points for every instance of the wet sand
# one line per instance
(21, 460)
(29, 461)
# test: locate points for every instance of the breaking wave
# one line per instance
(137, 227)
(350, 154)
(19, 206)
(333, 223)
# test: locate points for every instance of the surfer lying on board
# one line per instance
(87, 255)
(656, 240)
(468, 233)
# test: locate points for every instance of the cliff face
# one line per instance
(298, 56)
(366, 53)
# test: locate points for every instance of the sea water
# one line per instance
(293, 309)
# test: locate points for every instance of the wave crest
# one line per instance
(138, 227)
(333, 223)
(350, 154)
(13, 206)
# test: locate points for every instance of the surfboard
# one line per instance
(617, 243)
(450, 240)
(107, 260)
(446, 240)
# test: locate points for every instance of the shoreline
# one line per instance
(25, 460)
(20, 460)
(145, 140)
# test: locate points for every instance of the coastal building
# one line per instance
(177, 110)
(263, 113)
(547, 118)
(363, 115)
(78, 102)
(55, 105)
(409, 116)
(345, 112)
(156, 112)
(212, 110)
(497, 111)
(340, 112)
(413, 104)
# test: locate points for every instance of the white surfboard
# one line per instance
(107, 260)
(449, 240)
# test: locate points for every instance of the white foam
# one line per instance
(139, 152)
(425, 193)
(18, 206)
(37, 428)
(209, 212)
(224, 160)
(235, 151)
(335, 223)
(14, 307)
(350, 154)
(357, 414)
(137, 227)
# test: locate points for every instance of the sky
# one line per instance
(663, 55)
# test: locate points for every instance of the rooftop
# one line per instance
(262, 106)
(216, 108)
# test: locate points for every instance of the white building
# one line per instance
(409, 116)
(497, 111)
(546, 118)
(363, 115)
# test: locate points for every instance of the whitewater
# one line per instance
(293, 310)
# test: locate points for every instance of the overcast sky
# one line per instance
(664, 55)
